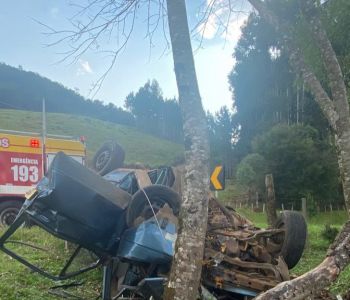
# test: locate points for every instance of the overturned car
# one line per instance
(128, 220)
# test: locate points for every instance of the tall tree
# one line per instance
(121, 15)
(187, 263)
(333, 101)
(334, 104)
(185, 273)
(222, 135)
(20, 89)
(303, 165)
(277, 97)
(155, 114)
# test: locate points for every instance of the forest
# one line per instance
(273, 114)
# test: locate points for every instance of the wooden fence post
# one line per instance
(303, 207)
(270, 201)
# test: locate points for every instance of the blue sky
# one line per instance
(23, 43)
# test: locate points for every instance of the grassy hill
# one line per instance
(138, 146)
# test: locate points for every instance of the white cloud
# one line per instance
(209, 28)
(234, 29)
(224, 23)
(84, 68)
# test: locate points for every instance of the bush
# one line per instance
(329, 233)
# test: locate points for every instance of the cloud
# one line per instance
(84, 68)
(224, 22)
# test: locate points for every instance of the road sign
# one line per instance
(217, 179)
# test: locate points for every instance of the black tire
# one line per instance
(294, 237)
(158, 196)
(109, 157)
(8, 211)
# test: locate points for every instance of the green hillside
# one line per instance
(139, 147)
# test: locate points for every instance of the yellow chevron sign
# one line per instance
(217, 179)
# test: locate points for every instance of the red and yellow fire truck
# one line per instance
(24, 159)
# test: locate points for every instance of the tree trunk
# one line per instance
(270, 201)
(336, 110)
(343, 147)
(187, 264)
(312, 282)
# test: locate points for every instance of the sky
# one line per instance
(25, 43)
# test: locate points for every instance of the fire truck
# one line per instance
(24, 159)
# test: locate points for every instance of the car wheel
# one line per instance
(9, 211)
(109, 157)
(294, 237)
(158, 195)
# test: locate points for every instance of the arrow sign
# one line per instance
(217, 179)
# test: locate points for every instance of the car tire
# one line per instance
(109, 157)
(8, 211)
(158, 195)
(294, 237)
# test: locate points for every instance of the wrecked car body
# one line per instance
(133, 233)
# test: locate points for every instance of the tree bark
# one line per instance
(335, 108)
(187, 263)
(312, 282)
(270, 201)
(339, 96)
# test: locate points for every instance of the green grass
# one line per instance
(317, 246)
(139, 147)
(17, 282)
(232, 192)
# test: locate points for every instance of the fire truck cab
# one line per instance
(24, 159)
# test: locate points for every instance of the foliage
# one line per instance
(251, 172)
(307, 166)
(334, 15)
(221, 137)
(337, 23)
(148, 110)
(25, 90)
(139, 147)
(301, 162)
(266, 91)
(329, 233)
(154, 114)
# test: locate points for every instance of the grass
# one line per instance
(139, 147)
(18, 282)
(317, 246)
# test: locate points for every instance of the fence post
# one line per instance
(270, 201)
(303, 207)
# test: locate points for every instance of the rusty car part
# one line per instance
(238, 254)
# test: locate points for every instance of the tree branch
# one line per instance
(298, 63)
(338, 257)
(334, 72)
